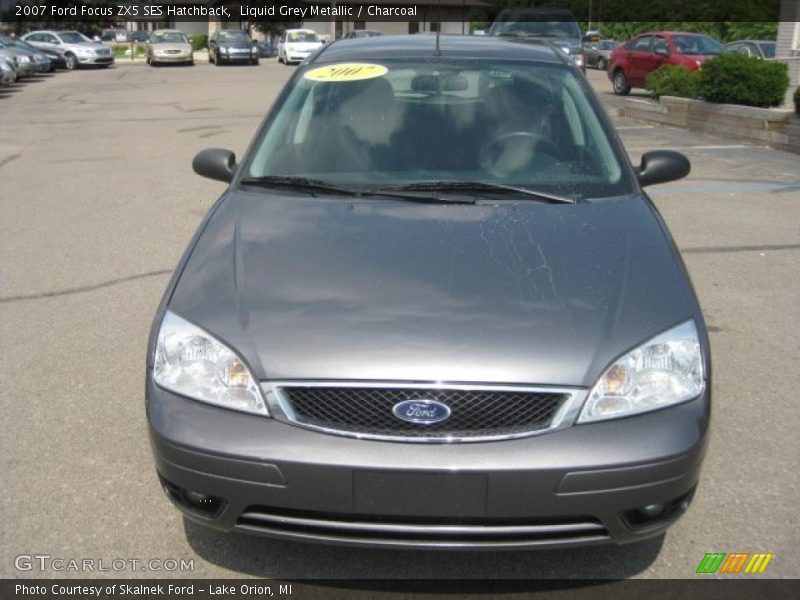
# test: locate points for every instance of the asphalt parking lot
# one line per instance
(99, 200)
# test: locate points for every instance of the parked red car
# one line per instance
(631, 63)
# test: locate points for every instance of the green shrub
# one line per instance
(124, 50)
(739, 79)
(797, 100)
(199, 42)
(673, 80)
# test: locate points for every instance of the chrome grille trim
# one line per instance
(281, 410)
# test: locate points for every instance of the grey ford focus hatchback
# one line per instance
(434, 308)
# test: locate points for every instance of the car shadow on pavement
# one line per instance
(269, 558)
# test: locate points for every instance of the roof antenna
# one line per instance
(437, 52)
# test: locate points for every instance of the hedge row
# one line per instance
(199, 42)
(726, 79)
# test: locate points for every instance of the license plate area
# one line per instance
(420, 494)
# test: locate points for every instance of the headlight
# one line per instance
(579, 60)
(666, 370)
(254, 50)
(224, 49)
(190, 362)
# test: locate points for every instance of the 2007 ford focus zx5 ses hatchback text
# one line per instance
(434, 308)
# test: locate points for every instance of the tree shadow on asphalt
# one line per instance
(269, 558)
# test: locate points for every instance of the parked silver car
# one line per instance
(76, 48)
(598, 54)
(8, 71)
(764, 49)
(22, 60)
(169, 46)
(40, 60)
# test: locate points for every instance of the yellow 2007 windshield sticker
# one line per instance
(346, 72)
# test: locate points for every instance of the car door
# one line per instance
(590, 49)
(35, 39)
(660, 54)
(639, 60)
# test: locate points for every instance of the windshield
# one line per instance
(768, 48)
(234, 36)
(399, 123)
(172, 37)
(608, 45)
(541, 27)
(697, 44)
(73, 37)
(301, 36)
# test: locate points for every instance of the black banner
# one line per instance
(733, 588)
(53, 11)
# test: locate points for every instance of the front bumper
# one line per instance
(237, 56)
(172, 58)
(96, 60)
(297, 56)
(566, 488)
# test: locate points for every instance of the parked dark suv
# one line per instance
(554, 26)
(434, 308)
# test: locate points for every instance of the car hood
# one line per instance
(176, 46)
(240, 45)
(338, 288)
(570, 45)
(302, 46)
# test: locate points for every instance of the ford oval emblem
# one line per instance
(423, 411)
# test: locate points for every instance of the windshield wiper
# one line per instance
(304, 184)
(482, 186)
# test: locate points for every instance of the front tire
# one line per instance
(254, 62)
(71, 61)
(621, 85)
(601, 64)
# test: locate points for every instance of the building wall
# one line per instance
(789, 29)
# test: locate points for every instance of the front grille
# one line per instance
(421, 531)
(474, 413)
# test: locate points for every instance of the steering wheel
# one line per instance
(487, 154)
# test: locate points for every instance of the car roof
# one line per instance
(535, 12)
(167, 31)
(659, 32)
(453, 46)
(752, 42)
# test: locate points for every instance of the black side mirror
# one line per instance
(215, 163)
(661, 166)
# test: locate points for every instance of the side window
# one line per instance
(642, 44)
(34, 37)
(751, 50)
(50, 38)
(660, 46)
